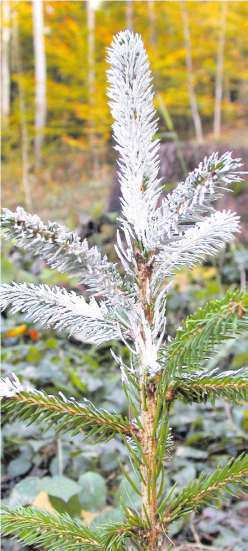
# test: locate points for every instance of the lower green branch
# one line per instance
(233, 388)
(116, 535)
(210, 326)
(204, 490)
(52, 531)
(63, 414)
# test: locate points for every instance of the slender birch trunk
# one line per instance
(219, 71)
(91, 48)
(22, 110)
(151, 15)
(129, 14)
(91, 81)
(188, 57)
(40, 78)
(5, 98)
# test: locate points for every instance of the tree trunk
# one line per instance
(156, 539)
(149, 491)
(188, 57)
(129, 15)
(5, 99)
(22, 111)
(91, 48)
(40, 78)
(92, 83)
(151, 15)
(219, 71)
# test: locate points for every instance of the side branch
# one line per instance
(206, 489)
(199, 335)
(49, 531)
(63, 414)
(204, 185)
(62, 250)
(64, 311)
(210, 388)
(117, 535)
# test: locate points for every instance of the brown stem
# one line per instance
(148, 416)
(149, 494)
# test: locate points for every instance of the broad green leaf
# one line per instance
(24, 492)
(19, 466)
(93, 492)
(59, 486)
(189, 451)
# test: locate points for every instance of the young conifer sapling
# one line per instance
(158, 236)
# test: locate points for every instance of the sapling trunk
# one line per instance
(148, 416)
(156, 537)
(149, 492)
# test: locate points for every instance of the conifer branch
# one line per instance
(206, 238)
(202, 389)
(51, 531)
(191, 200)
(61, 413)
(64, 311)
(205, 490)
(116, 535)
(62, 250)
(199, 335)
(204, 185)
(135, 124)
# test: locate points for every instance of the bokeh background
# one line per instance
(58, 161)
(57, 150)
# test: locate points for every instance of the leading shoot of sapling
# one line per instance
(158, 235)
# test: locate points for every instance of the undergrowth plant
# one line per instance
(158, 235)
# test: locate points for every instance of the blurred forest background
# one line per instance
(58, 161)
(56, 121)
